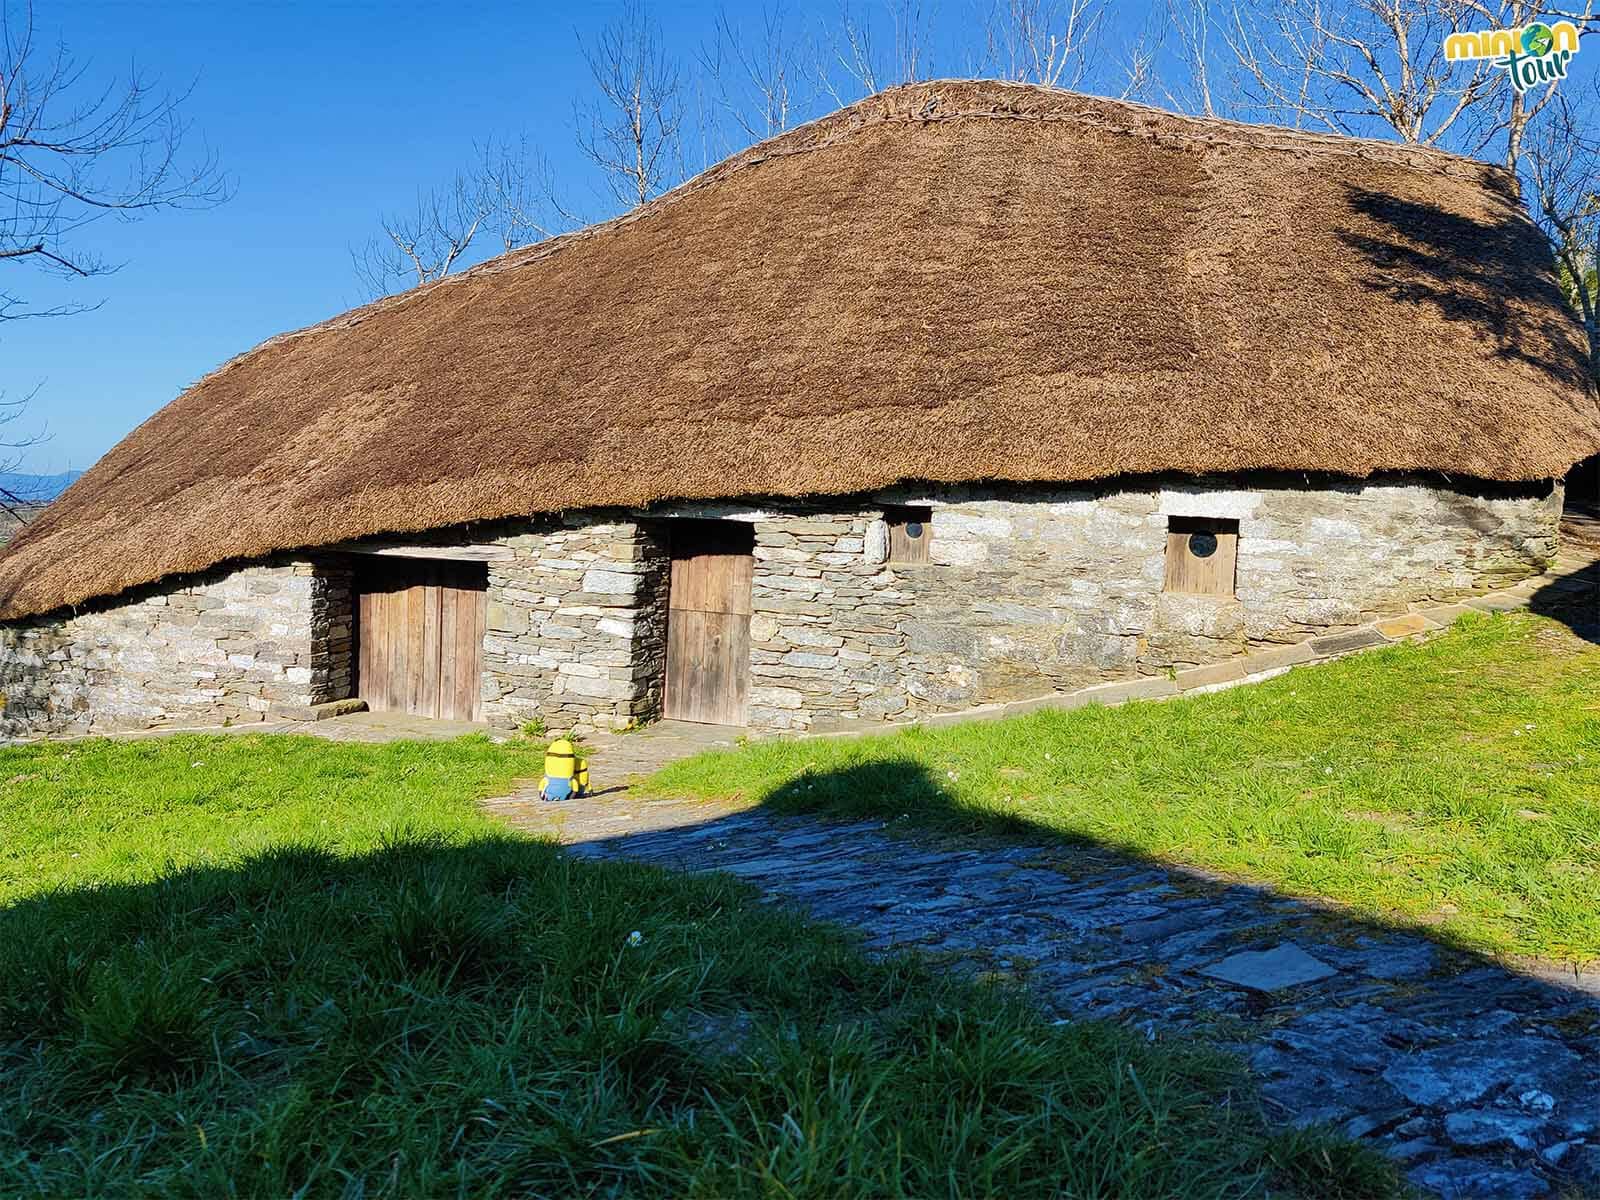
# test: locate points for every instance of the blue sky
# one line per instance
(323, 115)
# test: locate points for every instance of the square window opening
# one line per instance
(1202, 555)
(910, 532)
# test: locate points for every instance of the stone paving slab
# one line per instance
(1481, 1080)
(1273, 970)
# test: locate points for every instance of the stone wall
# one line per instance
(225, 648)
(1031, 591)
(576, 625)
(1027, 591)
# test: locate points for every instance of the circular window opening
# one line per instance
(913, 529)
(1202, 545)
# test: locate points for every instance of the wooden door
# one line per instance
(420, 630)
(708, 622)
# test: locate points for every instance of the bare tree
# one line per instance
(1045, 41)
(853, 61)
(912, 23)
(757, 78)
(1563, 171)
(1359, 66)
(424, 245)
(508, 196)
(1191, 26)
(1512, 113)
(70, 156)
(73, 153)
(526, 198)
(631, 129)
(1561, 167)
(14, 504)
(1343, 65)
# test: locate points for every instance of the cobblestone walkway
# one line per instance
(1483, 1082)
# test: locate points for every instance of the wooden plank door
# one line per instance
(708, 622)
(420, 635)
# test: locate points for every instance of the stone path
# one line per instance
(1481, 1081)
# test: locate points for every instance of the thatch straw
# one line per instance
(951, 281)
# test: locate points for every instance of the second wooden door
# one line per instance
(708, 622)
(420, 630)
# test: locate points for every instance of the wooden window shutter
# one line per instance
(1202, 555)
(910, 532)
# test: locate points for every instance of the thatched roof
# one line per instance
(950, 281)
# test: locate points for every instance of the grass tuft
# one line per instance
(141, 1019)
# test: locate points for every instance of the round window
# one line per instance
(913, 529)
(1202, 545)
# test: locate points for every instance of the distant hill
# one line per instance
(40, 489)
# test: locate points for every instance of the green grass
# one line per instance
(1453, 785)
(245, 966)
(124, 811)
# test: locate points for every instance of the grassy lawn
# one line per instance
(249, 966)
(1454, 785)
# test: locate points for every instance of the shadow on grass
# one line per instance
(491, 1017)
(884, 790)
(1405, 1033)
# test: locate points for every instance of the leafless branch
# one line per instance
(1139, 62)
(71, 154)
(12, 503)
(1050, 42)
(1348, 65)
(508, 195)
(1562, 166)
(1499, 126)
(852, 61)
(756, 77)
(1190, 88)
(631, 129)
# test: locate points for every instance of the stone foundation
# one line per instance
(1027, 591)
(227, 648)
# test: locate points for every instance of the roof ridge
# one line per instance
(857, 116)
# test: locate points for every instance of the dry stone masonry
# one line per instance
(1033, 591)
(1028, 591)
(227, 648)
(577, 625)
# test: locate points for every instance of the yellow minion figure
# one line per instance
(566, 775)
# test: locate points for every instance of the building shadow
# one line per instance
(1460, 1066)
(1573, 600)
(1473, 1072)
